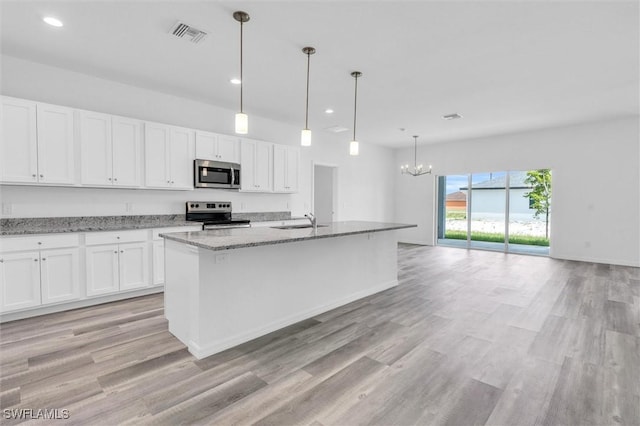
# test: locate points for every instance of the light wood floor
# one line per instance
(468, 337)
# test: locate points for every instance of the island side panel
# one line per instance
(245, 293)
(181, 289)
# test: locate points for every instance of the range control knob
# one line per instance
(192, 205)
(197, 205)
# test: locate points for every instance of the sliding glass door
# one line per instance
(504, 211)
(487, 208)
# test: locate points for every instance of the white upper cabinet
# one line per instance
(126, 135)
(56, 149)
(111, 150)
(210, 146)
(256, 159)
(181, 156)
(19, 155)
(169, 155)
(96, 147)
(156, 148)
(228, 149)
(286, 160)
(37, 143)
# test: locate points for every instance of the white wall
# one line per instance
(596, 183)
(362, 181)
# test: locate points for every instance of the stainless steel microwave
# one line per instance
(216, 174)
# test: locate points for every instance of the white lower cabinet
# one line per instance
(116, 267)
(59, 275)
(158, 262)
(102, 270)
(134, 265)
(20, 280)
(32, 278)
(37, 271)
(157, 250)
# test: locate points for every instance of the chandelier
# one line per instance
(417, 169)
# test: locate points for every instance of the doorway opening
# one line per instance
(325, 184)
(502, 211)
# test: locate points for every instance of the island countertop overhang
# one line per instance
(236, 238)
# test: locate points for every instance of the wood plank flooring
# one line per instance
(467, 338)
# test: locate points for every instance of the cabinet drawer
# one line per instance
(116, 237)
(158, 231)
(39, 242)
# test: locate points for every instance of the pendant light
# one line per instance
(305, 136)
(353, 145)
(242, 120)
(417, 169)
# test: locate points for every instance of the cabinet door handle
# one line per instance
(115, 179)
(168, 181)
(41, 176)
(109, 179)
(35, 260)
(33, 175)
(172, 182)
(1, 260)
(115, 252)
(44, 258)
(121, 251)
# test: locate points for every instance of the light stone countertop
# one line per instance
(226, 239)
(52, 225)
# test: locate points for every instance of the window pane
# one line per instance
(488, 198)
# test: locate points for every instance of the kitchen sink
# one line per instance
(297, 226)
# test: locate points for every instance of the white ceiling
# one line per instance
(505, 66)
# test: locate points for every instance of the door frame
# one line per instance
(334, 168)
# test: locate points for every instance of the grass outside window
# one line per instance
(498, 238)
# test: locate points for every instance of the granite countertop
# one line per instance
(51, 225)
(225, 239)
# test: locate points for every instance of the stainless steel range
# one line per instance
(214, 215)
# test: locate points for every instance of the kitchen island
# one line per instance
(225, 287)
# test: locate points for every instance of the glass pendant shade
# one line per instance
(305, 137)
(354, 148)
(242, 123)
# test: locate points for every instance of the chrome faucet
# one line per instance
(312, 219)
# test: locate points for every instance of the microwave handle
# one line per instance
(233, 177)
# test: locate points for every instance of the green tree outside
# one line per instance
(540, 194)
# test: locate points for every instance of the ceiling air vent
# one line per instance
(336, 129)
(453, 116)
(187, 32)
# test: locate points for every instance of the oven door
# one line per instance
(216, 174)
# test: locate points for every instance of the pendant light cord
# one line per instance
(415, 153)
(306, 117)
(355, 107)
(241, 77)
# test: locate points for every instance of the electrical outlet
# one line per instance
(242, 206)
(129, 207)
(7, 208)
(222, 258)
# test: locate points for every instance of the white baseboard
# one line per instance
(66, 306)
(596, 260)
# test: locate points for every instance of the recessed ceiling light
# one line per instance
(235, 81)
(453, 116)
(52, 21)
(328, 111)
